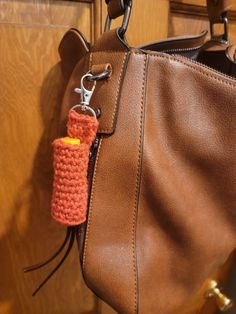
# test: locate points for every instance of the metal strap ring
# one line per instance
(125, 23)
(224, 20)
(85, 108)
(101, 76)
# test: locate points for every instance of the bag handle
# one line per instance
(217, 11)
(116, 8)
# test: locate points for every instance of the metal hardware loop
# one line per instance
(224, 20)
(101, 76)
(85, 108)
(125, 23)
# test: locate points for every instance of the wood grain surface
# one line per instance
(149, 21)
(190, 17)
(31, 91)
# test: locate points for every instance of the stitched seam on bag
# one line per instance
(90, 61)
(117, 93)
(91, 206)
(191, 67)
(175, 59)
(137, 189)
(119, 82)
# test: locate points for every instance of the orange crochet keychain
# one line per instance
(71, 157)
(71, 160)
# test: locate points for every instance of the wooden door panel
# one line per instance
(190, 16)
(31, 91)
(149, 21)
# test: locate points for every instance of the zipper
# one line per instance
(91, 165)
(168, 51)
(188, 49)
(181, 50)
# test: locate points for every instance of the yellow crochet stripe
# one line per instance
(70, 140)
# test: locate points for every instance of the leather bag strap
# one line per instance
(115, 8)
(217, 9)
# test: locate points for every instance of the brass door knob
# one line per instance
(222, 301)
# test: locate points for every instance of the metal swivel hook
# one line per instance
(84, 92)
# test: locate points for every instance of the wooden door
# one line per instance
(31, 90)
(190, 16)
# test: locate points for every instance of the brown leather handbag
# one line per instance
(162, 205)
(162, 210)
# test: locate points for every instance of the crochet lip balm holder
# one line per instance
(71, 160)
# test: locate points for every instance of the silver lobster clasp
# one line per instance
(84, 92)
